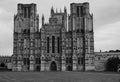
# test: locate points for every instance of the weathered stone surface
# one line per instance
(59, 41)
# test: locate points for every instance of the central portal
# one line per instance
(53, 66)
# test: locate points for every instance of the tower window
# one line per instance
(69, 60)
(28, 12)
(53, 44)
(81, 10)
(78, 13)
(25, 12)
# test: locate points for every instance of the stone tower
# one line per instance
(81, 25)
(26, 37)
(58, 45)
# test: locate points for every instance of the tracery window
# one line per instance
(48, 44)
(78, 13)
(53, 44)
(38, 61)
(58, 44)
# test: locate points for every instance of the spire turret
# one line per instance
(43, 19)
(52, 11)
(65, 10)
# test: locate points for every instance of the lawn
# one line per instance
(58, 77)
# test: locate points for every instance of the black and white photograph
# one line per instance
(59, 40)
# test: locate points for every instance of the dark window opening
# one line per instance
(82, 60)
(25, 12)
(28, 12)
(38, 61)
(78, 13)
(78, 30)
(69, 60)
(82, 31)
(58, 42)
(81, 11)
(26, 61)
(26, 31)
(98, 58)
(78, 60)
(47, 44)
(53, 44)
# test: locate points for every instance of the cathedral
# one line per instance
(65, 43)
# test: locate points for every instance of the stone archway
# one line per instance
(69, 68)
(53, 66)
(37, 68)
(2, 65)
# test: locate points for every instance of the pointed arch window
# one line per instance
(48, 45)
(53, 44)
(58, 44)
(25, 12)
(78, 13)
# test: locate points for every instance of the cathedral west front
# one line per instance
(54, 46)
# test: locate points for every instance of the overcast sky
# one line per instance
(106, 21)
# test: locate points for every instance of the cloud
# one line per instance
(6, 39)
(6, 29)
(107, 37)
(5, 16)
(105, 11)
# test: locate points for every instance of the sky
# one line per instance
(106, 14)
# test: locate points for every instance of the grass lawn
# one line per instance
(58, 77)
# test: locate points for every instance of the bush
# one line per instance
(112, 64)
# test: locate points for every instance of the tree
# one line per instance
(112, 64)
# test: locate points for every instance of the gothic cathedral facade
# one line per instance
(57, 45)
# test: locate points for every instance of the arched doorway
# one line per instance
(69, 68)
(2, 65)
(53, 66)
(37, 68)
